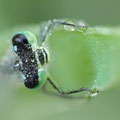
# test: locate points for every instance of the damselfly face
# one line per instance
(31, 57)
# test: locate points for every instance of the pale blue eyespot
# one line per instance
(15, 48)
(23, 76)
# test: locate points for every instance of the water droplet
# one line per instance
(69, 28)
(82, 23)
(93, 94)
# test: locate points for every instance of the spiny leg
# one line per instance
(69, 92)
(53, 23)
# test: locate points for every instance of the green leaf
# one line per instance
(85, 57)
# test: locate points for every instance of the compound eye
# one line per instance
(32, 82)
(19, 41)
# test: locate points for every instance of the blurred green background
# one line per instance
(95, 12)
(19, 103)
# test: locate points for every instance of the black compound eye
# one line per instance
(19, 42)
(32, 82)
(19, 39)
